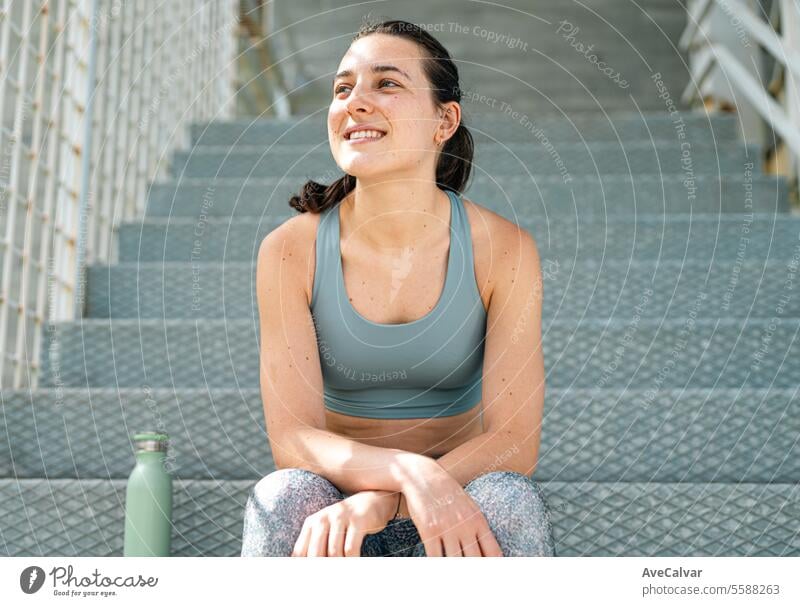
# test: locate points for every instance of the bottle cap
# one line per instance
(151, 441)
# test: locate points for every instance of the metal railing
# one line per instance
(97, 95)
(262, 83)
(778, 35)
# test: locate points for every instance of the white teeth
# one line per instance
(359, 134)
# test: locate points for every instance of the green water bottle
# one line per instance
(148, 498)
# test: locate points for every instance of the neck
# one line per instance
(396, 213)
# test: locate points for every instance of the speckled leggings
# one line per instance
(513, 505)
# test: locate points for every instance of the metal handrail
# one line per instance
(786, 122)
(267, 72)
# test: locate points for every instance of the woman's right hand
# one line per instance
(449, 522)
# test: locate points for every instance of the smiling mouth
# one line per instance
(364, 139)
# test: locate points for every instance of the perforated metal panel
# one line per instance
(598, 435)
(86, 517)
(590, 353)
(593, 289)
(512, 197)
(534, 158)
(312, 130)
(635, 238)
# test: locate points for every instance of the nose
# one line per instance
(358, 100)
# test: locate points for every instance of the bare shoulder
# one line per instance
(493, 224)
(291, 246)
(498, 246)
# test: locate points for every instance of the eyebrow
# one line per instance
(376, 69)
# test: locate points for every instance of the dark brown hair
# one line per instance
(455, 159)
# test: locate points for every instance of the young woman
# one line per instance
(400, 326)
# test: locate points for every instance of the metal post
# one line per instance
(86, 165)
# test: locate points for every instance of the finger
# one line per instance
(488, 544)
(318, 545)
(452, 547)
(470, 547)
(301, 545)
(352, 542)
(336, 540)
(433, 545)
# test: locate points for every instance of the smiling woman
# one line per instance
(389, 273)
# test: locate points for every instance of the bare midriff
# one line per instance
(429, 437)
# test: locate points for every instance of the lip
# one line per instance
(364, 140)
(360, 127)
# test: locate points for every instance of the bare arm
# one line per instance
(291, 380)
(513, 372)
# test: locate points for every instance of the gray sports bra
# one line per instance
(430, 367)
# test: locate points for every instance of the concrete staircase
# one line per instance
(671, 311)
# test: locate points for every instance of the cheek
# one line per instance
(336, 118)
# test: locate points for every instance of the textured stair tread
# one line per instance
(569, 239)
(650, 353)
(313, 129)
(599, 435)
(606, 27)
(660, 145)
(541, 197)
(590, 288)
(85, 518)
(490, 158)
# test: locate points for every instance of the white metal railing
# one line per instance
(94, 96)
(784, 46)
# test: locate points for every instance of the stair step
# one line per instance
(555, 83)
(478, 60)
(527, 97)
(589, 288)
(490, 159)
(649, 353)
(540, 197)
(635, 43)
(525, 101)
(594, 435)
(86, 518)
(311, 130)
(636, 238)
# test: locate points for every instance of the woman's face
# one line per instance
(399, 103)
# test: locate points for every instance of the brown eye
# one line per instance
(338, 89)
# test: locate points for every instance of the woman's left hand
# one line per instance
(339, 529)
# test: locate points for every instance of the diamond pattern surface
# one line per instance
(533, 157)
(514, 197)
(485, 128)
(609, 289)
(676, 519)
(647, 353)
(550, 78)
(608, 435)
(635, 238)
(86, 517)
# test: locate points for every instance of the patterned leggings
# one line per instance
(279, 503)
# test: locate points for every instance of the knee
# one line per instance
(293, 491)
(516, 509)
(278, 505)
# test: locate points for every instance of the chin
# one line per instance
(365, 167)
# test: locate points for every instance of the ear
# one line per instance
(450, 118)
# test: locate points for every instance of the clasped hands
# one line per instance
(448, 521)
